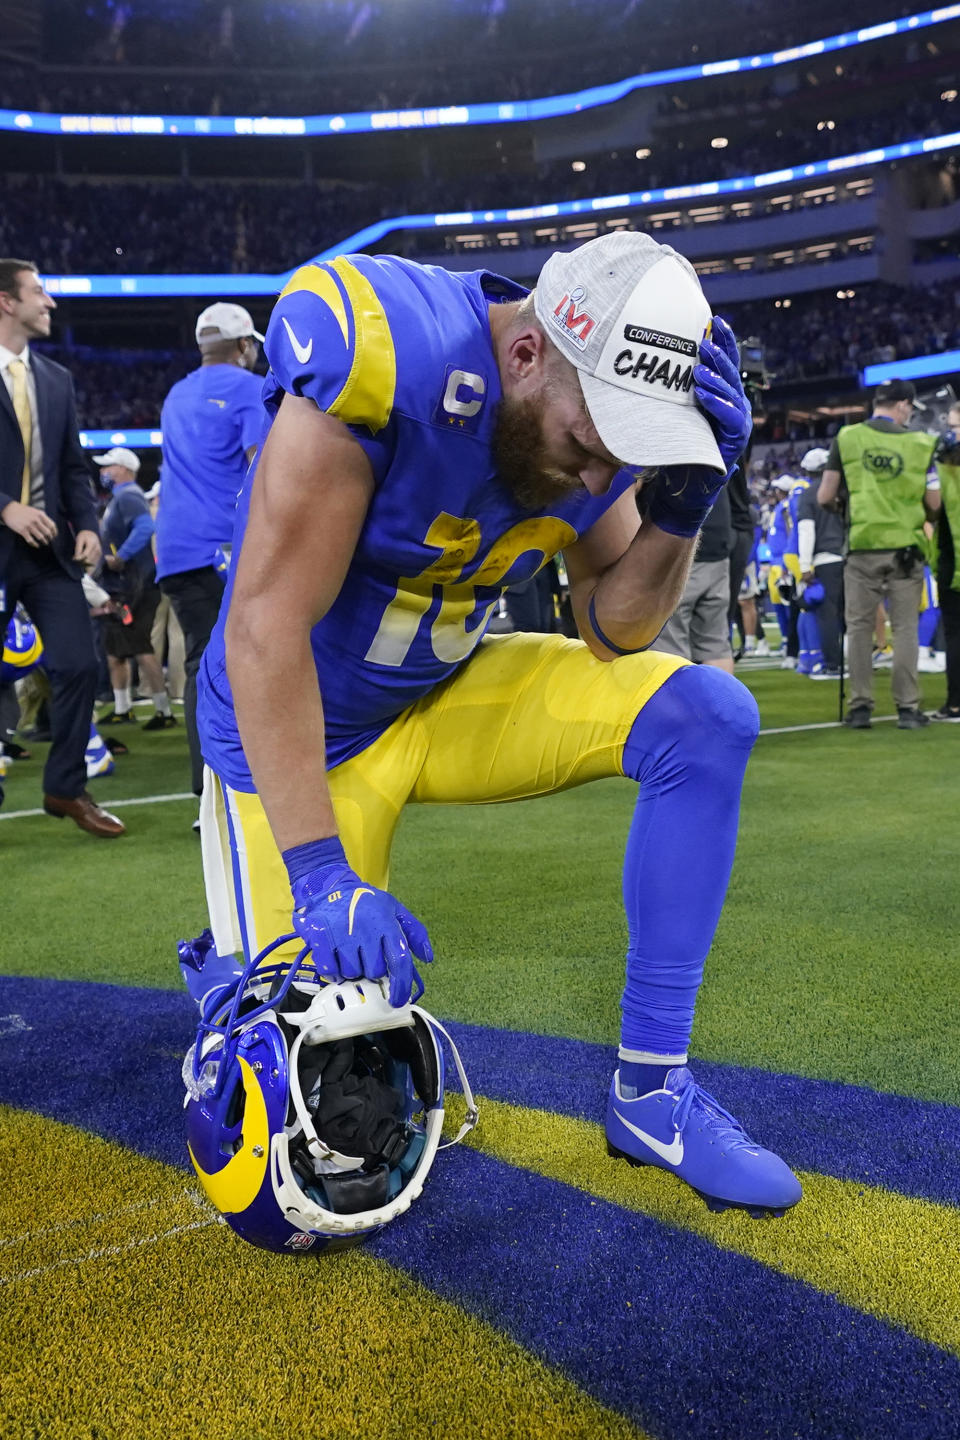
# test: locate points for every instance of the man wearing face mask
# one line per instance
(130, 577)
(48, 535)
(211, 421)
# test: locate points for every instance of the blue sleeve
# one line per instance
(141, 533)
(794, 506)
(250, 413)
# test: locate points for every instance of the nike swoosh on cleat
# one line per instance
(362, 890)
(302, 352)
(672, 1153)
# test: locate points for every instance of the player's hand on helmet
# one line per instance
(682, 496)
(353, 930)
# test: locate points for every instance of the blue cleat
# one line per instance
(682, 1129)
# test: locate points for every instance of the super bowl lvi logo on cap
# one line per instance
(629, 314)
(572, 317)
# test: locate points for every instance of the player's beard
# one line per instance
(519, 453)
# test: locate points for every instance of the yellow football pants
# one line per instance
(527, 715)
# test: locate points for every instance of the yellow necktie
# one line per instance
(21, 408)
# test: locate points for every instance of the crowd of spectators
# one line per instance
(375, 54)
(206, 225)
(816, 337)
(524, 72)
(820, 334)
(122, 389)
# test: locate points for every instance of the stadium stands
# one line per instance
(881, 237)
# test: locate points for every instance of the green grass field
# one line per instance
(836, 959)
(836, 948)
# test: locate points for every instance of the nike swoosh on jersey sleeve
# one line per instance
(329, 339)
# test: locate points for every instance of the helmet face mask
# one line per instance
(314, 1110)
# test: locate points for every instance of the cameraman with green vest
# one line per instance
(884, 467)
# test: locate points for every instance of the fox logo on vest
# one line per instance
(576, 324)
(885, 464)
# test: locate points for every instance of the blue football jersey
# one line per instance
(778, 537)
(210, 419)
(402, 354)
(792, 504)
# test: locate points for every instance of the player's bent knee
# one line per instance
(695, 720)
(714, 698)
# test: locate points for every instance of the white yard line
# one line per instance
(820, 725)
(112, 804)
(188, 795)
(110, 1250)
(190, 1194)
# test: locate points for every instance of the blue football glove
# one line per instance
(683, 495)
(352, 929)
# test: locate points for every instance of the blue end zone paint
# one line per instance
(711, 1344)
(101, 1057)
(842, 1130)
(646, 1319)
(107, 1058)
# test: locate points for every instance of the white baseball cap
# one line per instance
(119, 455)
(815, 459)
(629, 313)
(785, 482)
(225, 321)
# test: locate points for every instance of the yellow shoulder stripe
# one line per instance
(322, 283)
(367, 396)
(368, 392)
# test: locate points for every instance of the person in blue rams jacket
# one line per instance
(436, 438)
(211, 422)
(127, 529)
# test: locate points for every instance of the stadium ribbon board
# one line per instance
(37, 122)
(79, 287)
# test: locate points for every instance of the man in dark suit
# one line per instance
(48, 534)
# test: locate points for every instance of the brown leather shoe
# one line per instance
(85, 811)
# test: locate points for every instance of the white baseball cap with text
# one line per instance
(629, 313)
(225, 321)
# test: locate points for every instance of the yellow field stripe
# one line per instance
(128, 1310)
(885, 1253)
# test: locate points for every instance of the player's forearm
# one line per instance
(806, 539)
(636, 596)
(280, 719)
(933, 504)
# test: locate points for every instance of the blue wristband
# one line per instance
(683, 521)
(617, 649)
(683, 497)
(312, 854)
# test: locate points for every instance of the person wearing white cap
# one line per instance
(131, 581)
(211, 423)
(820, 544)
(435, 438)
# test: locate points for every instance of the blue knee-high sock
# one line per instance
(808, 632)
(688, 748)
